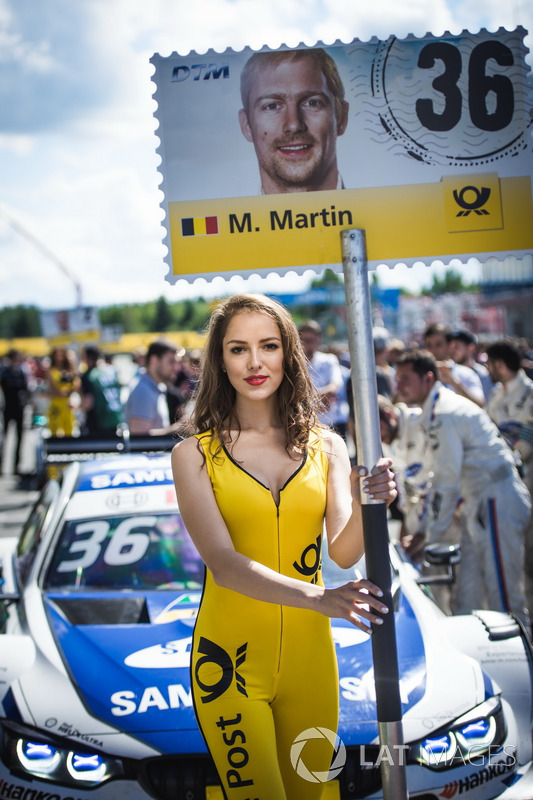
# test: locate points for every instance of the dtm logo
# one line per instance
(470, 198)
(216, 662)
(199, 72)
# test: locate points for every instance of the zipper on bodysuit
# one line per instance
(281, 607)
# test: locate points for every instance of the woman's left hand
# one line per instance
(379, 485)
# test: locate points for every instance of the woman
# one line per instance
(63, 386)
(255, 484)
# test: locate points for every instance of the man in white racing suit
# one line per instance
(402, 441)
(510, 406)
(473, 470)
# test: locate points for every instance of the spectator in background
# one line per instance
(188, 376)
(470, 465)
(384, 373)
(175, 399)
(146, 408)
(396, 348)
(100, 396)
(16, 390)
(324, 369)
(460, 379)
(63, 387)
(139, 359)
(511, 407)
(526, 354)
(463, 349)
(342, 407)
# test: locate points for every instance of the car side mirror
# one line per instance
(441, 555)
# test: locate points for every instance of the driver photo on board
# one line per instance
(294, 109)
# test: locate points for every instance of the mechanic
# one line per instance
(402, 441)
(510, 406)
(471, 465)
(255, 484)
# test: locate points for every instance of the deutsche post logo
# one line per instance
(472, 202)
(309, 563)
(470, 198)
(212, 657)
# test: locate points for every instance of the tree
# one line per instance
(329, 278)
(162, 316)
(19, 322)
(452, 281)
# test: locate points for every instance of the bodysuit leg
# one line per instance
(250, 721)
(306, 701)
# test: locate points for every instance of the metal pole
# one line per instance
(376, 537)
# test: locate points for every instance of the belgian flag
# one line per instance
(199, 226)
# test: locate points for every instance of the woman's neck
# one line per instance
(260, 416)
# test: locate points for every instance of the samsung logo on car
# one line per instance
(138, 477)
(162, 656)
(127, 702)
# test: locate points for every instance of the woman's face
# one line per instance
(252, 354)
(60, 357)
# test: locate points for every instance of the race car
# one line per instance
(98, 601)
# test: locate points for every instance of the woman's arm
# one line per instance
(344, 523)
(235, 571)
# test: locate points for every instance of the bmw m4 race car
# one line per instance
(98, 602)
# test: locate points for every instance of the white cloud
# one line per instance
(77, 149)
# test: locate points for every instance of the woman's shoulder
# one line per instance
(197, 442)
(328, 443)
(185, 447)
(327, 437)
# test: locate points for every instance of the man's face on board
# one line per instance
(292, 123)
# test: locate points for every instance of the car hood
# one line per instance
(129, 655)
(357, 709)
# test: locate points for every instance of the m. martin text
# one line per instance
(288, 220)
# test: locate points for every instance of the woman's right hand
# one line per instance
(353, 601)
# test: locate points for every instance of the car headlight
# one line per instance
(469, 739)
(31, 752)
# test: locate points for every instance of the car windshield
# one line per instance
(150, 551)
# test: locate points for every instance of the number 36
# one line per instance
(479, 86)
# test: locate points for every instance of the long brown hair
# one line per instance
(298, 400)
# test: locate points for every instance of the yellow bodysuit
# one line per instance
(61, 416)
(262, 674)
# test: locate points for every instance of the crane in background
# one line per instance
(38, 245)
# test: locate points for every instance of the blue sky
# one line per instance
(78, 163)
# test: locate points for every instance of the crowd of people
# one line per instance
(83, 394)
(456, 419)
